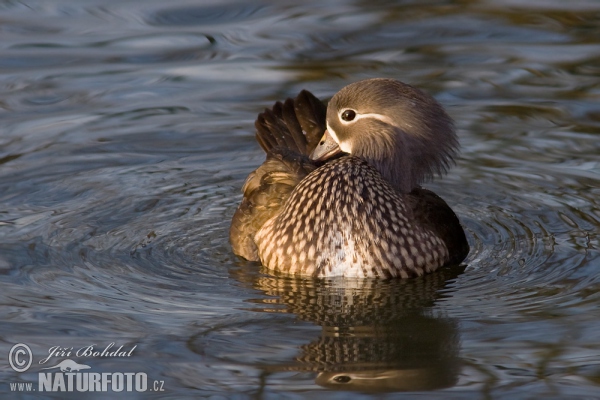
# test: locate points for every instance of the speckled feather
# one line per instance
(344, 219)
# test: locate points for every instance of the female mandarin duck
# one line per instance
(348, 202)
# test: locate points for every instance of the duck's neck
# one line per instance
(398, 175)
(398, 162)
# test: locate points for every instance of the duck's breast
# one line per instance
(343, 219)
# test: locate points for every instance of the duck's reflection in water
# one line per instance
(377, 335)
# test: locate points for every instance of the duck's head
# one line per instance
(401, 131)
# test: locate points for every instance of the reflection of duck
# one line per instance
(358, 215)
(414, 352)
(377, 335)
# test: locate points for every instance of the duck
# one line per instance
(340, 191)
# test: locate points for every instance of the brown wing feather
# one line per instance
(296, 124)
(288, 133)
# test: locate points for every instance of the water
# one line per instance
(127, 132)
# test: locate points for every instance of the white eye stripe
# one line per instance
(380, 117)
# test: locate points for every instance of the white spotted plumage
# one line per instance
(337, 223)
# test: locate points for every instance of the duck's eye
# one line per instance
(348, 115)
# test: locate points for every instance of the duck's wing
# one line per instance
(432, 212)
(296, 124)
(288, 133)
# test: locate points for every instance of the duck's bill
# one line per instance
(326, 148)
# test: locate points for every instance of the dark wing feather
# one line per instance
(288, 133)
(311, 113)
(433, 213)
(296, 124)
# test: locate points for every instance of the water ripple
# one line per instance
(206, 15)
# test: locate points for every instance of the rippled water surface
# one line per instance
(126, 132)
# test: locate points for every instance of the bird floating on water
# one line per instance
(339, 193)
